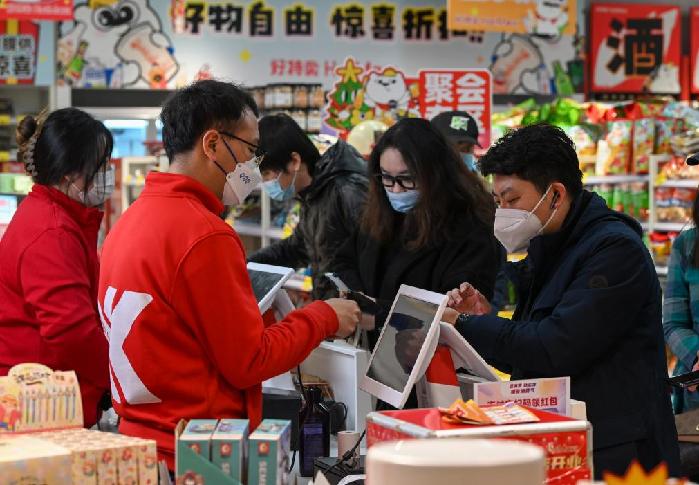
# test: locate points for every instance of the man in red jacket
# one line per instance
(186, 338)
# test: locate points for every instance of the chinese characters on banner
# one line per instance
(379, 21)
(694, 50)
(36, 9)
(541, 17)
(635, 48)
(18, 44)
(467, 90)
(552, 394)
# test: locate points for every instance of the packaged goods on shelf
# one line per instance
(661, 247)
(36, 398)
(643, 145)
(614, 149)
(25, 459)
(674, 204)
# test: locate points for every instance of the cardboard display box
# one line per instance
(269, 453)
(567, 442)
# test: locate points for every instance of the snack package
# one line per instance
(660, 246)
(640, 201)
(614, 150)
(643, 144)
(682, 204)
(664, 128)
(663, 203)
(606, 191)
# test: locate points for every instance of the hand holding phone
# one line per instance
(687, 381)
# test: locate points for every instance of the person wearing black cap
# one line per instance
(461, 129)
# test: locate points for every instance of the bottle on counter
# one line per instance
(315, 432)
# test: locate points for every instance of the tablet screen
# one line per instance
(263, 282)
(402, 339)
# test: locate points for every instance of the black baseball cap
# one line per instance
(457, 126)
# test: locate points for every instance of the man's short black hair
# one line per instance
(280, 136)
(541, 154)
(203, 105)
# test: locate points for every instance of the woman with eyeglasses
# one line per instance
(48, 257)
(428, 222)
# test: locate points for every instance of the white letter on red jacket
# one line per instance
(121, 319)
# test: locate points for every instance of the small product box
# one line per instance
(229, 445)
(197, 436)
(31, 460)
(269, 453)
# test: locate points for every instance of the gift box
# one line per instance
(567, 442)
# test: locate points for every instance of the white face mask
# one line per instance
(101, 189)
(515, 228)
(241, 182)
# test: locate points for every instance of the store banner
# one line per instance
(18, 48)
(694, 49)
(635, 48)
(469, 90)
(551, 394)
(148, 43)
(36, 9)
(541, 17)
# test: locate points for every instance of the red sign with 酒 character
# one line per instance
(467, 90)
(36, 9)
(694, 50)
(635, 48)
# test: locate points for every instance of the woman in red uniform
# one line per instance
(48, 256)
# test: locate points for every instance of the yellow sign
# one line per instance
(541, 17)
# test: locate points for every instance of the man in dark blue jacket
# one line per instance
(590, 300)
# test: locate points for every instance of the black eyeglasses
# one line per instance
(405, 181)
(259, 154)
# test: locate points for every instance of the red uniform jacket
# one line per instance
(48, 292)
(186, 336)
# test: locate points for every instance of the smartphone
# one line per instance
(685, 380)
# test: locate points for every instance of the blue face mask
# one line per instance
(275, 191)
(402, 201)
(470, 161)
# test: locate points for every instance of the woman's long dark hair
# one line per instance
(448, 190)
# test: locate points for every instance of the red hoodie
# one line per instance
(186, 336)
(48, 292)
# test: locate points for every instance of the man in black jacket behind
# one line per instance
(332, 191)
(590, 304)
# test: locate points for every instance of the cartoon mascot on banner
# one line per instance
(117, 45)
(385, 95)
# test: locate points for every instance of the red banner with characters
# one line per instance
(694, 49)
(635, 48)
(19, 41)
(469, 90)
(36, 9)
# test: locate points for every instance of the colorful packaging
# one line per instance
(664, 129)
(639, 201)
(197, 436)
(567, 442)
(229, 445)
(606, 191)
(269, 453)
(34, 398)
(30, 460)
(663, 203)
(585, 145)
(614, 150)
(643, 145)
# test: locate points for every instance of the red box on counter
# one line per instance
(567, 442)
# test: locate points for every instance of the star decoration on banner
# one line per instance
(635, 475)
(349, 72)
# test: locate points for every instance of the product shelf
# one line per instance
(680, 184)
(614, 179)
(670, 226)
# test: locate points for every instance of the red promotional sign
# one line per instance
(694, 49)
(469, 90)
(36, 9)
(19, 42)
(635, 48)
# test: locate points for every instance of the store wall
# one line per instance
(46, 59)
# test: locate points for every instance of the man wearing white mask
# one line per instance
(186, 336)
(590, 303)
